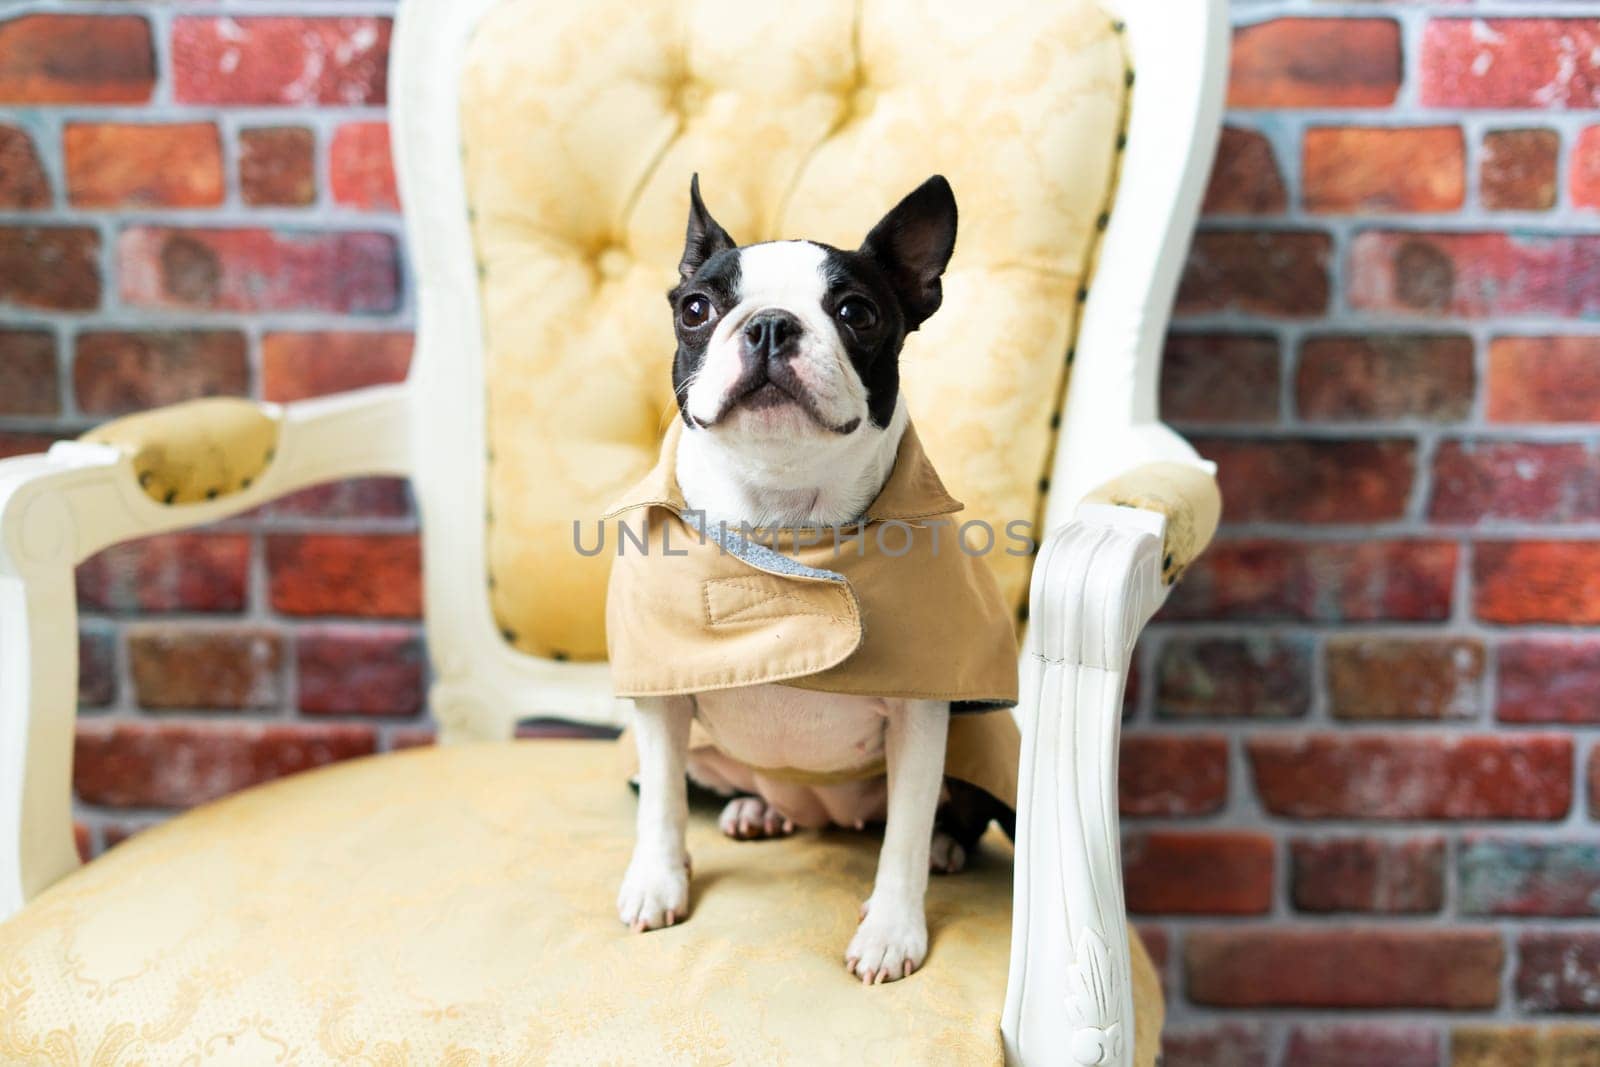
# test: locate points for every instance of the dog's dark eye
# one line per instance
(696, 311)
(857, 314)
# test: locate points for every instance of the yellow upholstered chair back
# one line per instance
(580, 126)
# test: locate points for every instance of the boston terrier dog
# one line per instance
(787, 378)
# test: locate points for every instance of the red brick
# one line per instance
(1413, 776)
(1475, 481)
(1558, 971)
(1525, 1046)
(178, 765)
(1215, 1045)
(1246, 179)
(97, 668)
(28, 373)
(1544, 379)
(361, 172)
(1258, 677)
(1173, 775)
(411, 737)
(170, 572)
(1368, 874)
(1361, 1044)
(1220, 378)
(1511, 63)
(122, 165)
(1515, 876)
(296, 366)
(14, 443)
(1593, 774)
(189, 667)
(1198, 873)
(51, 267)
(1537, 581)
(1584, 179)
(23, 183)
(115, 833)
(377, 575)
(1312, 480)
(1343, 968)
(356, 498)
(1549, 680)
(1282, 273)
(280, 61)
(348, 670)
(1390, 678)
(1518, 172)
(76, 59)
(116, 372)
(1354, 377)
(1295, 62)
(258, 270)
(1321, 581)
(1475, 274)
(1368, 170)
(277, 166)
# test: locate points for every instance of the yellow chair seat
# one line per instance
(454, 906)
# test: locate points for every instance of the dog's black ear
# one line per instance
(912, 243)
(705, 238)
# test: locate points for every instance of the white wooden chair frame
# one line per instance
(1097, 579)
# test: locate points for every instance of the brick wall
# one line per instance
(1361, 772)
(193, 204)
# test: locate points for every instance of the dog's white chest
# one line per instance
(775, 726)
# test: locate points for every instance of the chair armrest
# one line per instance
(196, 451)
(1096, 583)
(198, 463)
(1184, 494)
(195, 463)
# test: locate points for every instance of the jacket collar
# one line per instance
(913, 491)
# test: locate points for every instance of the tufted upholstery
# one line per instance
(430, 908)
(581, 126)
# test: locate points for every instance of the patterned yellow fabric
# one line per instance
(197, 450)
(454, 906)
(581, 126)
(1185, 494)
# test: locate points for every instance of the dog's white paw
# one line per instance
(751, 818)
(945, 854)
(890, 943)
(655, 893)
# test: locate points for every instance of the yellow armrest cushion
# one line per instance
(1185, 494)
(195, 451)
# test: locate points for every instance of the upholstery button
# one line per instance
(613, 261)
(863, 101)
(686, 96)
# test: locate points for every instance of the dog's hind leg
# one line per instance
(750, 818)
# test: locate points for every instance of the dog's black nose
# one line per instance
(771, 334)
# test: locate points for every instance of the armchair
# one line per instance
(533, 184)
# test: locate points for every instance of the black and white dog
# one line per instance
(788, 382)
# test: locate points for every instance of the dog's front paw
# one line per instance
(655, 893)
(890, 943)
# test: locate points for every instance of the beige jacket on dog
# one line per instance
(890, 607)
